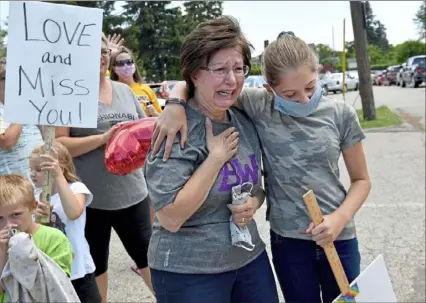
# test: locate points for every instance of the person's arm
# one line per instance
(356, 164)
(360, 187)
(191, 196)
(82, 145)
(173, 119)
(72, 203)
(177, 189)
(10, 137)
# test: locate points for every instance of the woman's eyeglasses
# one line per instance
(121, 63)
(105, 52)
(239, 71)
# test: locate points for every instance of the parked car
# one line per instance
(391, 73)
(413, 72)
(334, 82)
(399, 74)
(254, 81)
(162, 89)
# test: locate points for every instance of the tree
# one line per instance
(408, 49)
(375, 54)
(420, 20)
(110, 22)
(156, 32)
(350, 49)
(325, 54)
(200, 11)
(376, 31)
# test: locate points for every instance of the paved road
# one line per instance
(392, 221)
(409, 101)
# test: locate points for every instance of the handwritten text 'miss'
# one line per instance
(51, 32)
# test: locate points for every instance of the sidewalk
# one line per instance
(392, 222)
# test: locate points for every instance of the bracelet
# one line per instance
(176, 101)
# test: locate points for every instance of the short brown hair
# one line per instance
(113, 76)
(286, 53)
(16, 190)
(64, 158)
(205, 40)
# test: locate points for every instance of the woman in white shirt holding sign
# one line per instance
(69, 200)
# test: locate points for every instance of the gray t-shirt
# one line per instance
(302, 154)
(203, 244)
(111, 192)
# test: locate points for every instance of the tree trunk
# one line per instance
(360, 39)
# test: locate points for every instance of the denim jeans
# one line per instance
(303, 270)
(253, 283)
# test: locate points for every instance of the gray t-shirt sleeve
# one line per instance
(166, 179)
(253, 100)
(351, 132)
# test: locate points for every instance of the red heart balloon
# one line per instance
(127, 148)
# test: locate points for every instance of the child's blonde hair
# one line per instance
(16, 190)
(64, 158)
(286, 53)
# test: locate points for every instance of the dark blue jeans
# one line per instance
(303, 270)
(253, 283)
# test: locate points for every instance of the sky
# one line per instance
(312, 21)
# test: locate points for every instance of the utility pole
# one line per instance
(362, 60)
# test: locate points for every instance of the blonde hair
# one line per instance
(16, 190)
(286, 53)
(64, 158)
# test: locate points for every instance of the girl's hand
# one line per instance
(328, 231)
(43, 209)
(223, 146)
(50, 163)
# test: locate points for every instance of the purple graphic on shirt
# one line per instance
(234, 173)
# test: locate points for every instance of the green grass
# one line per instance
(384, 117)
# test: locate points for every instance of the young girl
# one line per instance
(303, 135)
(69, 200)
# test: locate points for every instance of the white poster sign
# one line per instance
(372, 285)
(53, 61)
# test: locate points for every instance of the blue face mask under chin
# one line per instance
(297, 109)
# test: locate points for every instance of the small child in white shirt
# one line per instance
(69, 200)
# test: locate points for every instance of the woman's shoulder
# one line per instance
(122, 91)
(120, 86)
